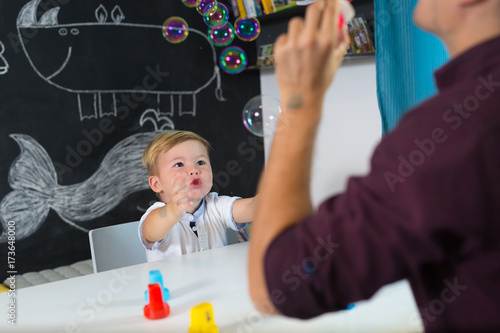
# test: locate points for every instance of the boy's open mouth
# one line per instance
(196, 182)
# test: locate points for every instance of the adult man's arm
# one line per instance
(306, 58)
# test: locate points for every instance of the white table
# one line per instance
(113, 301)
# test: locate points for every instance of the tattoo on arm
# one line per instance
(295, 102)
(163, 211)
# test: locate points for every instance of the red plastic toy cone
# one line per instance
(156, 309)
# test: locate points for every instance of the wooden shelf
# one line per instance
(283, 14)
(272, 25)
(347, 56)
(290, 12)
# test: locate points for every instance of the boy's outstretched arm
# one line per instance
(244, 210)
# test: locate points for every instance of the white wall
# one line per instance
(350, 127)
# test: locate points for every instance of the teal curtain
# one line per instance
(406, 58)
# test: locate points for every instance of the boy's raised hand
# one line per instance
(180, 200)
(160, 221)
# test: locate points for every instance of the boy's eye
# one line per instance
(178, 165)
(201, 163)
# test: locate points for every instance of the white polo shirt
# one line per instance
(213, 218)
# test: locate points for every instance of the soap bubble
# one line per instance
(175, 29)
(233, 60)
(247, 28)
(190, 3)
(215, 15)
(221, 36)
(201, 5)
(261, 114)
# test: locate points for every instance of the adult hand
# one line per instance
(309, 54)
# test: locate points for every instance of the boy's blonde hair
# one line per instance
(163, 142)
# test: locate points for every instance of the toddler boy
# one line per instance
(189, 218)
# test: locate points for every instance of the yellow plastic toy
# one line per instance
(3, 288)
(202, 319)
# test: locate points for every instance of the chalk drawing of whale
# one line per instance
(33, 178)
(82, 57)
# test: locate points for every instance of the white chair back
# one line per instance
(116, 246)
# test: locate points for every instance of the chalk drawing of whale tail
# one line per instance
(33, 178)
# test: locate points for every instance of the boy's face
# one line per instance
(188, 162)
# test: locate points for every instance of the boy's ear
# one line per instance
(154, 183)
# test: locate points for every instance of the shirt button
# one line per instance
(190, 217)
(194, 228)
(202, 249)
(202, 238)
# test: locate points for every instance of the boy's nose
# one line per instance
(193, 172)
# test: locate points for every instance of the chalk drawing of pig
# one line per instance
(107, 61)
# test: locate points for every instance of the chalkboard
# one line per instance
(85, 85)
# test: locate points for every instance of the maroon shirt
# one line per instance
(428, 211)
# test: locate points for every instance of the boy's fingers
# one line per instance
(182, 201)
(180, 195)
(179, 182)
(180, 188)
(180, 178)
(183, 194)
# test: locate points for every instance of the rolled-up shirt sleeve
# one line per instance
(220, 210)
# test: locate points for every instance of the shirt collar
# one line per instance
(199, 212)
(469, 65)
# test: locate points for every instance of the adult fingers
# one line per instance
(329, 21)
(344, 39)
(280, 41)
(295, 28)
(313, 19)
(278, 45)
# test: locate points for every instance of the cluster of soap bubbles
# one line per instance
(221, 32)
(260, 115)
